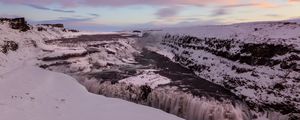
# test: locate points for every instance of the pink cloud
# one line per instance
(168, 12)
(156, 2)
(42, 2)
(294, 0)
(121, 2)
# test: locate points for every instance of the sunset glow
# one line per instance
(107, 15)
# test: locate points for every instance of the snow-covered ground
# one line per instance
(30, 93)
(258, 61)
(29, 43)
(256, 32)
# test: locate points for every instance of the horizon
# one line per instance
(93, 15)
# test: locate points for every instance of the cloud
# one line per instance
(198, 22)
(37, 7)
(267, 5)
(272, 15)
(240, 5)
(252, 4)
(294, 0)
(65, 11)
(220, 12)
(49, 9)
(168, 12)
(71, 3)
(94, 14)
(225, 9)
(64, 20)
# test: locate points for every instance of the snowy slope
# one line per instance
(31, 93)
(29, 44)
(256, 32)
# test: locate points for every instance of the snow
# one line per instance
(256, 32)
(31, 93)
(26, 41)
(148, 78)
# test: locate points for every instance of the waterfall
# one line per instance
(173, 101)
(197, 108)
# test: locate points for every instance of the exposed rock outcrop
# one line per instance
(17, 23)
(8, 46)
(54, 25)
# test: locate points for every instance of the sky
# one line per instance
(114, 15)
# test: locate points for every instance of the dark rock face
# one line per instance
(8, 46)
(137, 31)
(17, 23)
(261, 54)
(41, 29)
(44, 66)
(146, 90)
(65, 56)
(21, 24)
(60, 26)
(73, 30)
(265, 50)
(251, 54)
(54, 25)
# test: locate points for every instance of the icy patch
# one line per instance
(148, 78)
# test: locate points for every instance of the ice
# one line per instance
(148, 78)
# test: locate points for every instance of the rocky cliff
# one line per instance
(259, 62)
(16, 23)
